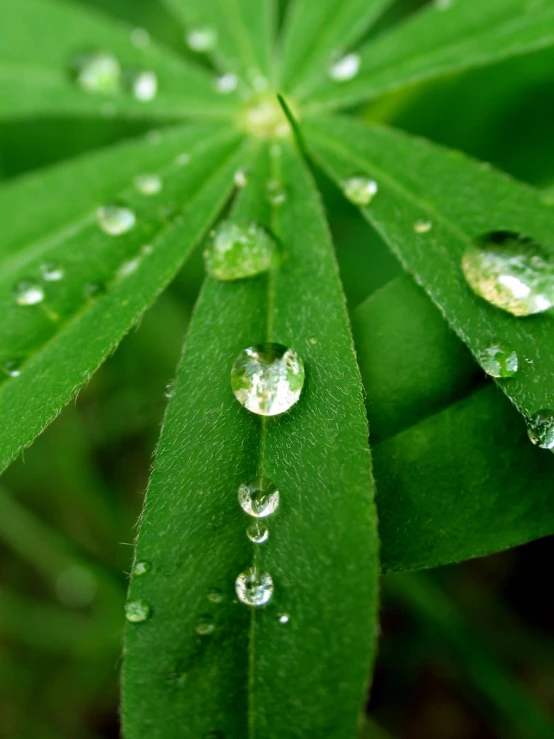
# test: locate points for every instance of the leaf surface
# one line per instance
(107, 281)
(238, 679)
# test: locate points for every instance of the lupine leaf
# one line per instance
(57, 343)
(239, 679)
(436, 42)
(40, 42)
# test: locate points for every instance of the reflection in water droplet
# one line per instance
(215, 595)
(51, 272)
(253, 587)
(144, 85)
(259, 497)
(541, 429)
(284, 618)
(76, 587)
(498, 361)
(275, 192)
(97, 72)
(267, 379)
(345, 68)
(115, 220)
(205, 626)
(148, 184)
(28, 293)
(202, 39)
(140, 38)
(137, 611)
(360, 190)
(142, 567)
(257, 532)
(226, 83)
(512, 272)
(422, 226)
(12, 368)
(241, 178)
(236, 251)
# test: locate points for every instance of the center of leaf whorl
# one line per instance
(263, 118)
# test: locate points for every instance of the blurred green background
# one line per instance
(463, 649)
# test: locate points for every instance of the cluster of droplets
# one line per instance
(101, 73)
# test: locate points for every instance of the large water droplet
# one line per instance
(345, 68)
(28, 293)
(253, 587)
(98, 72)
(498, 361)
(142, 567)
(137, 611)
(143, 84)
(267, 379)
(259, 498)
(275, 192)
(512, 272)
(540, 428)
(236, 251)
(257, 532)
(205, 626)
(202, 38)
(227, 83)
(12, 368)
(148, 184)
(360, 190)
(115, 220)
(51, 272)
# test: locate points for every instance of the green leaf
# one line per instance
(255, 676)
(437, 42)
(243, 30)
(315, 32)
(107, 282)
(40, 42)
(462, 200)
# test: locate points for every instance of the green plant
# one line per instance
(87, 247)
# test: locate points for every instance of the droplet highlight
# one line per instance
(141, 567)
(214, 595)
(275, 192)
(143, 85)
(422, 226)
(360, 190)
(51, 272)
(226, 83)
(498, 361)
(259, 498)
(236, 251)
(540, 428)
(253, 587)
(257, 532)
(267, 379)
(284, 618)
(202, 39)
(97, 72)
(115, 220)
(240, 178)
(205, 626)
(137, 611)
(12, 368)
(28, 293)
(148, 184)
(345, 68)
(511, 272)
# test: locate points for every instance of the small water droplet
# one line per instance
(170, 389)
(275, 192)
(154, 137)
(202, 39)
(141, 567)
(226, 83)
(28, 293)
(140, 38)
(360, 190)
(241, 178)
(422, 226)
(205, 626)
(146, 250)
(182, 159)
(93, 290)
(259, 498)
(284, 618)
(12, 368)
(512, 272)
(137, 611)
(215, 595)
(258, 82)
(257, 532)
(143, 84)
(51, 272)
(148, 184)
(128, 267)
(97, 72)
(115, 220)
(541, 429)
(267, 379)
(236, 251)
(314, 340)
(498, 361)
(345, 68)
(253, 587)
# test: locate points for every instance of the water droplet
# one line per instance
(93, 290)
(253, 587)
(512, 272)
(259, 498)
(98, 72)
(137, 611)
(215, 595)
(236, 251)
(141, 567)
(275, 192)
(284, 618)
(422, 226)
(140, 38)
(170, 389)
(143, 84)
(146, 250)
(128, 267)
(202, 39)
(205, 626)
(226, 83)
(115, 220)
(12, 368)
(76, 587)
(314, 340)
(541, 429)
(498, 361)
(51, 272)
(257, 532)
(360, 190)
(258, 82)
(182, 159)
(241, 178)
(148, 184)
(267, 379)
(345, 68)
(28, 293)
